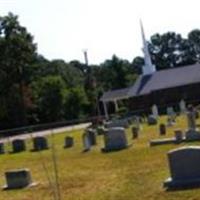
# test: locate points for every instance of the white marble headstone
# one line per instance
(182, 106)
(155, 111)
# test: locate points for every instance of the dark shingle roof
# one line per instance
(168, 78)
(162, 79)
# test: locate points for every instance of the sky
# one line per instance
(63, 29)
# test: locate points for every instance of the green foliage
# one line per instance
(35, 89)
(76, 103)
(170, 50)
(49, 95)
(17, 51)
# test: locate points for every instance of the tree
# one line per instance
(115, 73)
(17, 52)
(170, 50)
(194, 39)
(49, 98)
(76, 103)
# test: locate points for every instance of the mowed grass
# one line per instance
(136, 173)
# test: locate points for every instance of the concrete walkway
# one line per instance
(45, 132)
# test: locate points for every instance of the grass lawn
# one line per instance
(136, 173)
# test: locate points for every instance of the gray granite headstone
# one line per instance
(178, 134)
(18, 145)
(151, 120)
(92, 136)
(16, 179)
(2, 150)
(86, 142)
(171, 112)
(40, 143)
(115, 139)
(192, 135)
(184, 165)
(69, 142)
(191, 120)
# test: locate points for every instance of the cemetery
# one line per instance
(141, 133)
(116, 164)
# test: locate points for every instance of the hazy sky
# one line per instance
(63, 28)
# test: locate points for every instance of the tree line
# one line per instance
(36, 90)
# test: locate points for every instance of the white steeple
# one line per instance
(148, 67)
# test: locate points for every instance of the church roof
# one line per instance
(163, 79)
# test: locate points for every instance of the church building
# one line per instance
(163, 88)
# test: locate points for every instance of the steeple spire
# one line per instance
(148, 67)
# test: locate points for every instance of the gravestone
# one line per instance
(162, 129)
(182, 106)
(16, 179)
(155, 111)
(40, 143)
(184, 167)
(137, 122)
(18, 146)
(115, 139)
(191, 134)
(135, 132)
(86, 142)
(92, 136)
(191, 119)
(2, 150)
(69, 142)
(151, 120)
(178, 134)
(171, 112)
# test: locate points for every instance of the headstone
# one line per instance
(16, 179)
(191, 134)
(155, 111)
(171, 112)
(191, 118)
(86, 142)
(135, 132)
(182, 106)
(115, 139)
(178, 135)
(151, 120)
(69, 142)
(184, 165)
(137, 123)
(162, 129)
(40, 143)
(92, 136)
(2, 150)
(18, 145)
